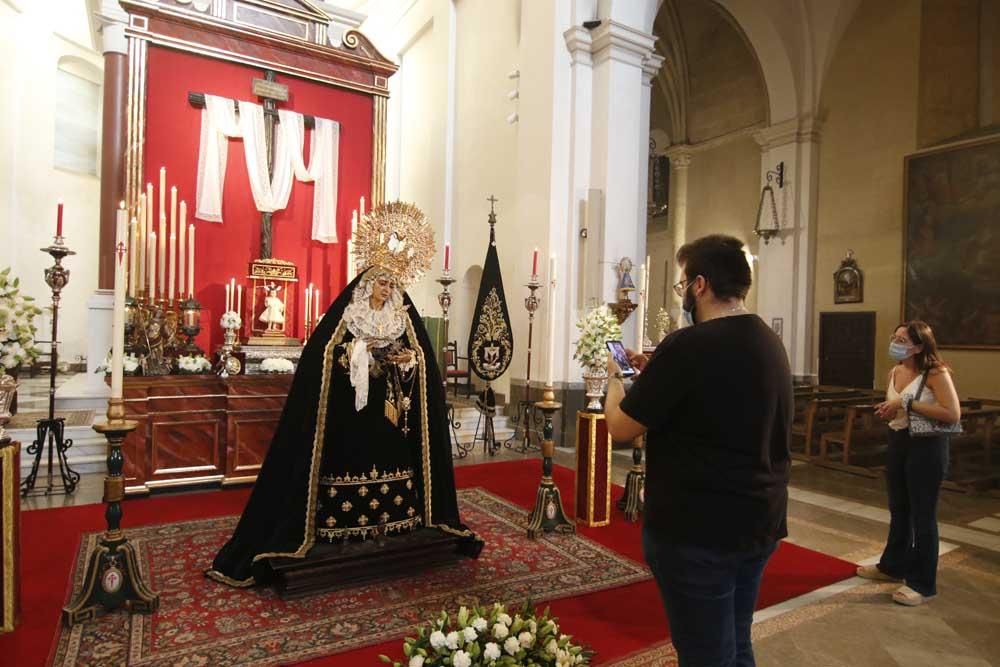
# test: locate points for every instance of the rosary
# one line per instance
(396, 400)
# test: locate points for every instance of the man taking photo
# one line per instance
(716, 401)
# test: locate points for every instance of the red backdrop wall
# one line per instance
(225, 250)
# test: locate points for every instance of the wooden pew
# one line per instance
(972, 465)
(863, 434)
(823, 415)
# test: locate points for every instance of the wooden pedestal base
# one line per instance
(10, 521)
(345, 564)
(593, 470)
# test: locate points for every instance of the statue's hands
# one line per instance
(404, 358)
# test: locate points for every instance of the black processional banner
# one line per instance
(491, 341)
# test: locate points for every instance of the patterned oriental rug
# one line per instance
(595, 582)
(202, 622)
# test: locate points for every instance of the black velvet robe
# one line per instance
(281, 516)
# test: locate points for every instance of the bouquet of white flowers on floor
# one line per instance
(489, 637)
(193, 364)
(277, 365)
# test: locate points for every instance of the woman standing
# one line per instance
(920, 383)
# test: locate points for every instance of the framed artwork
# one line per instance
(951, 242)
(848, 281)
(778, 326)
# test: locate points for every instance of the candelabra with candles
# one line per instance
(548, 514)
(444, 300)
(50, 431)
(526, 415)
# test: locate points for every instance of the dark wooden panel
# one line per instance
(186, 448)
(248, 442)
(847, 349)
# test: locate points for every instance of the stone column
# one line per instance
(785, 273)
(680, 160)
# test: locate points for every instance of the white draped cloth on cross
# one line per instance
(220, 123)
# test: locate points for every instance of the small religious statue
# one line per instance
(848, 281)
(274, 310)
(624, 306)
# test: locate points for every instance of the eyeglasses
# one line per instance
(680, 286)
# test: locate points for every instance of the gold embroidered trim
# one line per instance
(367, 478)
(223, 579)
(309, 536)
(424, 430)
(365, 532)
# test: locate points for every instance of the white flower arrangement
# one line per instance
(596, 328)
(17, 328)
(193, 364)
(231, 320)
(130, 365)
(277, 365)
(489, 637)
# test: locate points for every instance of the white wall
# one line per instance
(33, 37)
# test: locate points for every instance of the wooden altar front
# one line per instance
(199, 429)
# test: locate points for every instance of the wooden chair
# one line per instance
(821, 416)
(863, 437)
(453, 373)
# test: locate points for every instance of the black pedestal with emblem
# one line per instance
(114, 578)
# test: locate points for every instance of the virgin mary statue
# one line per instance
(362, 449)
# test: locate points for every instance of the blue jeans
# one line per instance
(709, 595)
(915, 468)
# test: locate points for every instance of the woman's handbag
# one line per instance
(925, 427)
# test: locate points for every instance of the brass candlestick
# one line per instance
(50, 431)
(444, 300)
(548, 515)
(113, 579)
(525, 413)
(635, 483)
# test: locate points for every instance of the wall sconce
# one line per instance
(772, 225)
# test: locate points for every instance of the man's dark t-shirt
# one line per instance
(717, 400)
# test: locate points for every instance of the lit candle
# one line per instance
(534, 264)
(640, 334)
(151, 253)
(59, 213)
(550, 375)
(239, 299)
(118, 314)
(190, 282)
(447, 257)
(182, 251)
(132, 255)
(173, 267)
(141, 241)
(161, 261)
(308, 304)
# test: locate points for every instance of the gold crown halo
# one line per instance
(396, 237)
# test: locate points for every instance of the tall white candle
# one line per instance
(133, 232)
(172, 279)
(149, 228)
(239, 300)
(182, 252)
(118, 314)
(140, 245)
(151, 253)
(550, 374)
(362, 207)
(228, 299)
(232, 293)
(308, 301)
(640, 333)
(163, 192)
(190, 282)
(316, 307)
(161, 261)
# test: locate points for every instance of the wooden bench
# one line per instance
(972, 461)
(863, 435)
(823, 415)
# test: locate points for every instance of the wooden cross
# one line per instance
(270, 92)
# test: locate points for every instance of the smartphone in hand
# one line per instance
(620, 356)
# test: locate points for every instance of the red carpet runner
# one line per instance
(614, 622)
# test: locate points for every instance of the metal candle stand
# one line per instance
(51, 430)
(548, 515)
(444, 300)
(526, 415)
(633, 499)
(113, 577)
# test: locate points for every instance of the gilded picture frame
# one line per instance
(951, 242)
